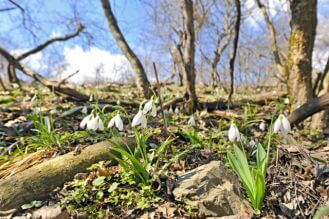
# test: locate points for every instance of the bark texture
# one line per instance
(189, 53)
(37, 182)
(299, 62)
(141, 78)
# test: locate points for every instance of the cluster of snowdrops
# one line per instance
(251, 171)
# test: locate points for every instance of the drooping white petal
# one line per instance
(111, 123)
(191, 121)
(92, 124)
(286, 101)
(118, 122)
(148, 106)
(154, 110)
(285, 125)
(100, 124)
(176, 110)
(277, 125)
(165, 111)
(85, 120)
(262, 126)
(143, 121)
(170, 111)
(137, 119)
(233, 133)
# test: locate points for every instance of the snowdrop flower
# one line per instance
(139, 119)
(191, 121)
(95, 123)
(165, 111)
(252, 143)
(262, 126)
(233, 133)
(170, 111)
(86, 120)
(150, 106)
(286, 101)
(282, 125)
(176, 110)
(117, 121)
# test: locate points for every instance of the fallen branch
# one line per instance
(308, 109)
(37, 182)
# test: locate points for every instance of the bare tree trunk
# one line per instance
(2, 84)
(320, 121)
(299, 62)
(279, 63)
(141, 78)
(235, 47)
(189, 53)
(12, 76)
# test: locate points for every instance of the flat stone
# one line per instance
(213, 189)
(50, 212)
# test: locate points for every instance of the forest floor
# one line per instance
(297, 182)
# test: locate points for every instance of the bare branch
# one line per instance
(50, 41)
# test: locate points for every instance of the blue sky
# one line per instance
(57, 17)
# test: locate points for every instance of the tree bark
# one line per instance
(299, 62)
(235, 47)
(309, 108)
(189, 53)
(141, 78)
(37, 182)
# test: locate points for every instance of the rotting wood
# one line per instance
(37, 182)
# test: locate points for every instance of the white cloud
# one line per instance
(95, 65)
(34, 61)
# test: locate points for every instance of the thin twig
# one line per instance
(159, 94)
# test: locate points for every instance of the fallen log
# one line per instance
(313, 106)
(37, 182)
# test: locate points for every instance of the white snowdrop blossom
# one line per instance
(86, 120)
(176, 110)
(282, 125)
(117, 121)
(262, 126)
(139, 119)
(191, 121)
(150, 107)
(170, 111)
(286, 101)
(233, 133)
(95, 124)
(165, 111)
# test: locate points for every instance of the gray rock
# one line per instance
(212, 188)
(50, 212)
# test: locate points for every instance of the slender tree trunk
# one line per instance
(12, 76)
(235, 47)
(279, 63)
(299, 62)
(2, 84)
(141, 78)
(189, 53)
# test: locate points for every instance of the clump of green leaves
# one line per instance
(144, 163)
(101, 195)
(252, 176)
(46, 135)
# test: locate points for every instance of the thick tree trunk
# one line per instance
(141, 78)
(189, 53)
(37, 182)
(299, 62)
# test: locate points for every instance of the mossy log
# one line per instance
(37, 182)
